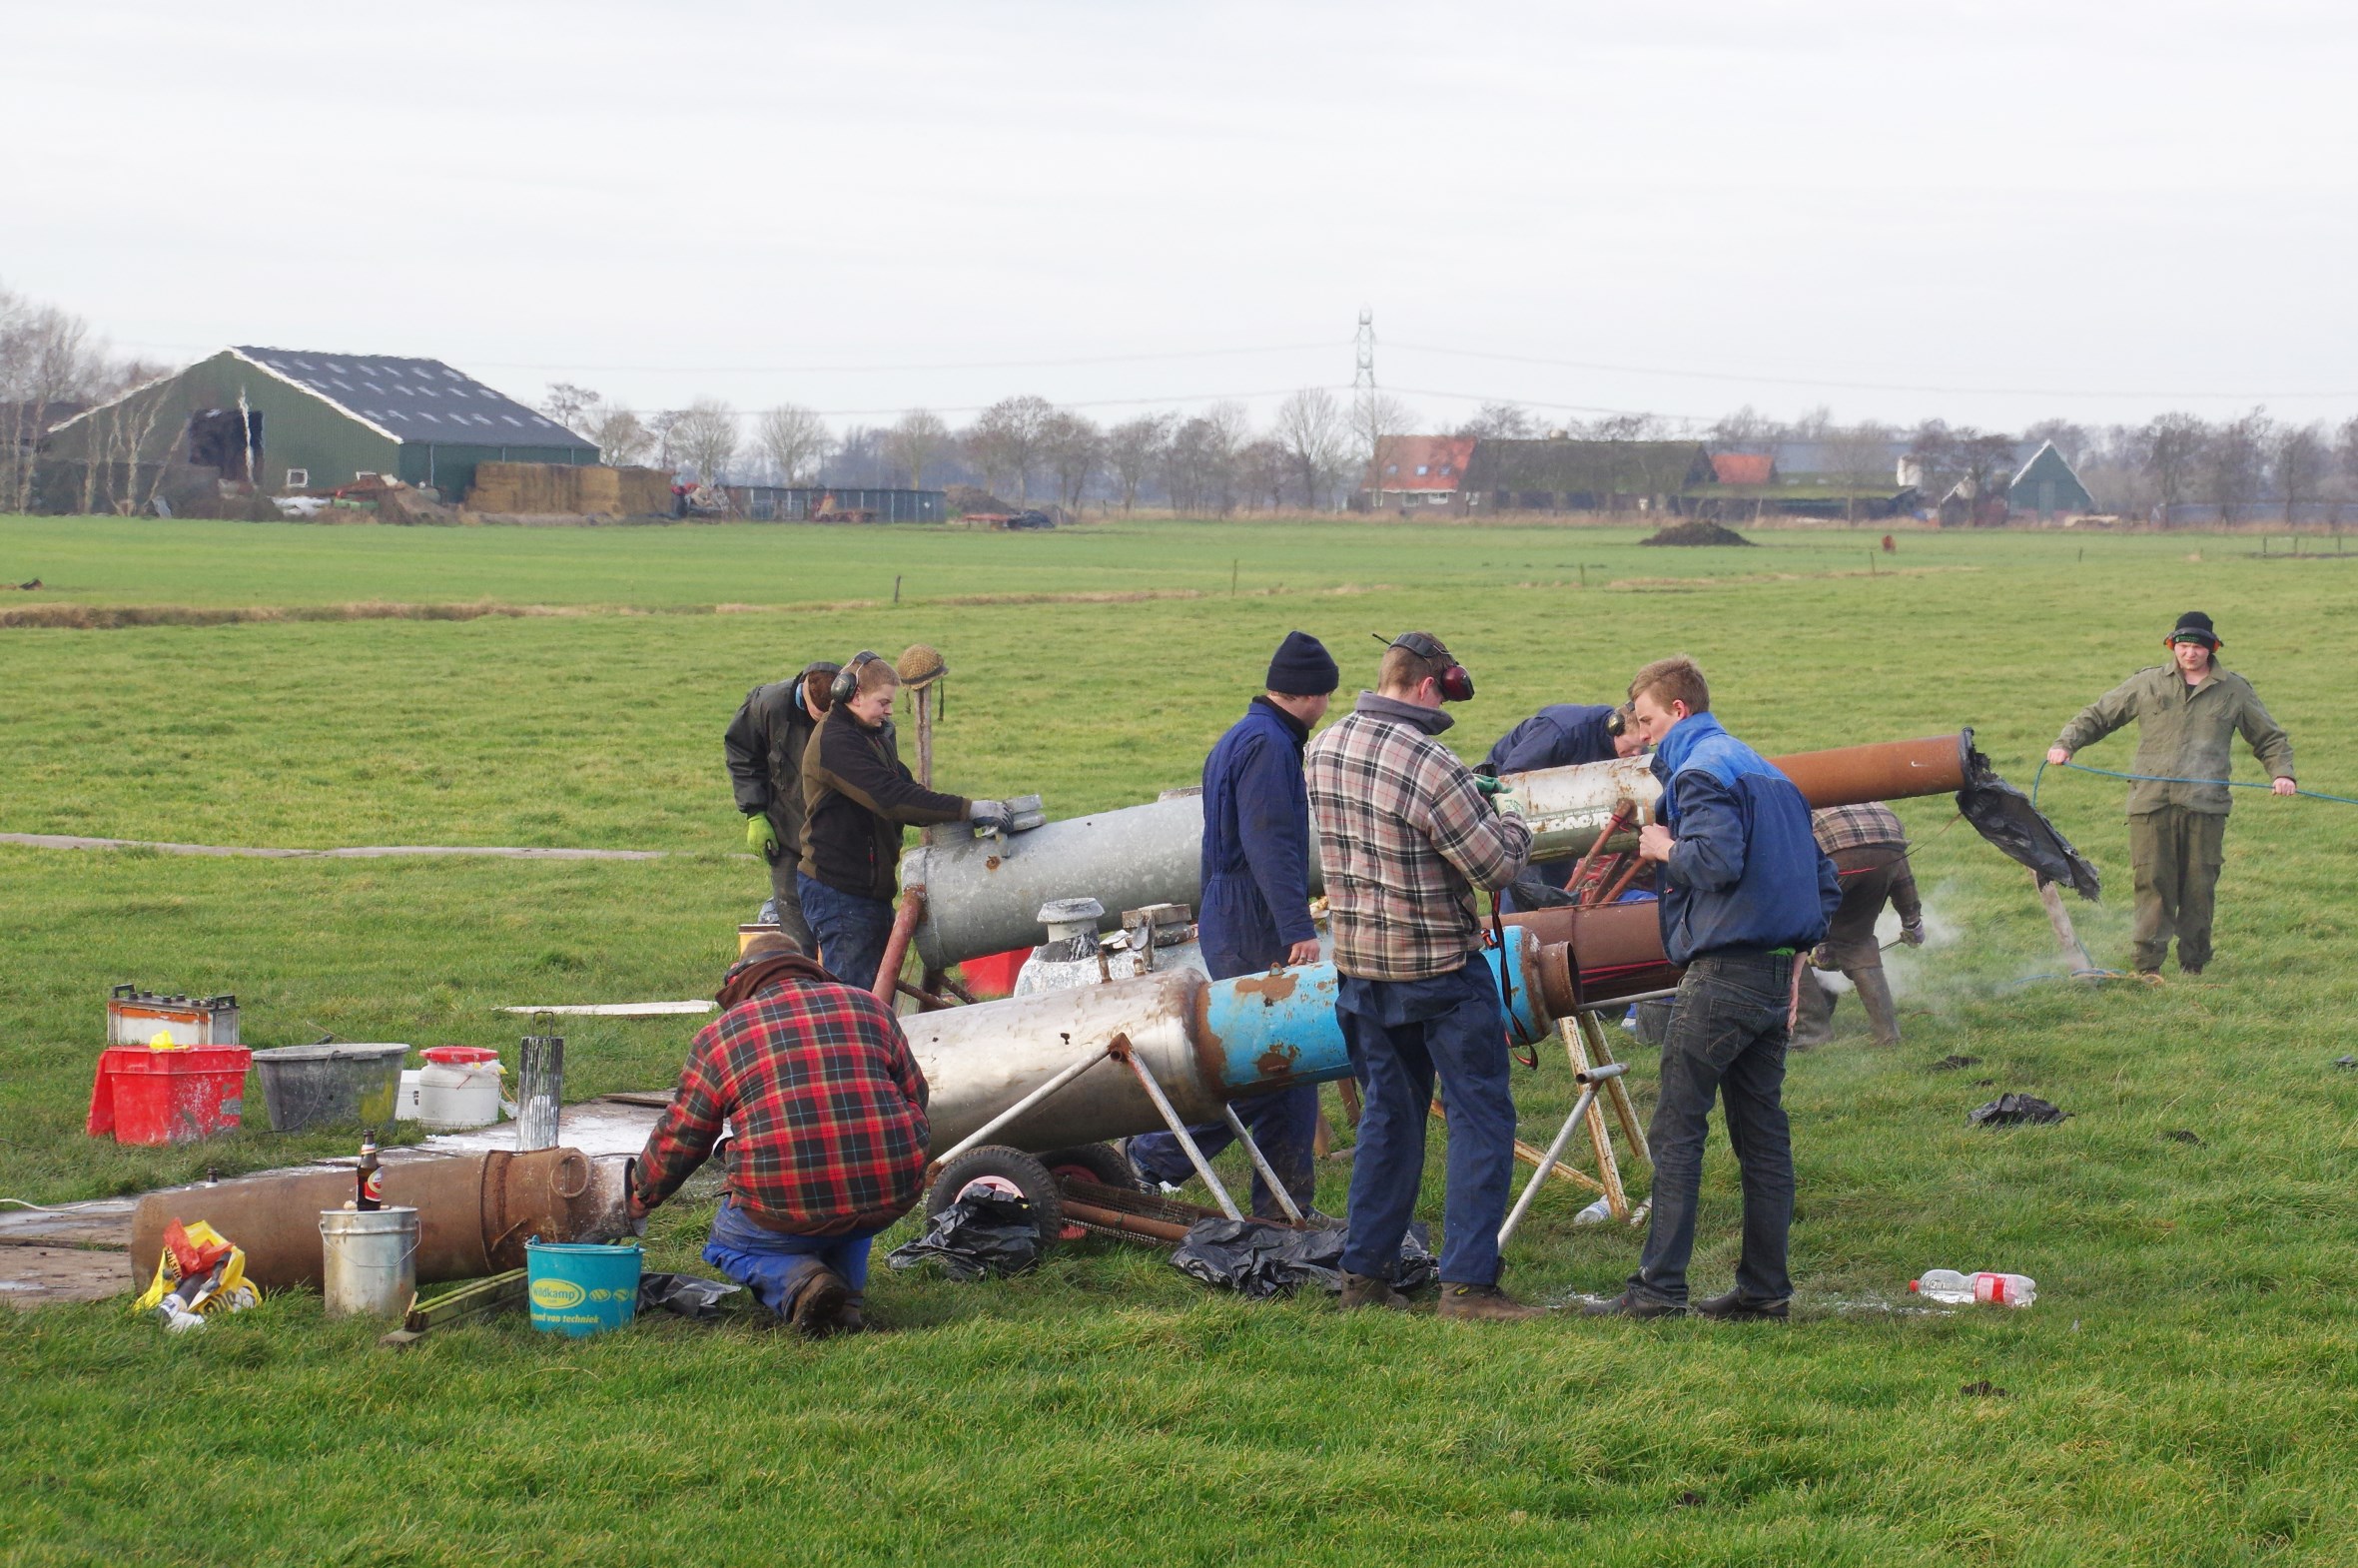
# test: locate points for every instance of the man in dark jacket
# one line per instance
(825, 1108)
(857, 798)
(1255, 912)
(765, 742)
(1744, 892)
(1561, 736)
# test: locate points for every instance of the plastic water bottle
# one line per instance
(1947, 1285)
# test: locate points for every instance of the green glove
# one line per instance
(1489, 783)
(760, 837)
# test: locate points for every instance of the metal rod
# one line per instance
(1062, 1077)
(1587, 1095)
(1178, 1129)
(1530, 1155)
(1260, 1161)
(1613, 825)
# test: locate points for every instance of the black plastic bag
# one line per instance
(2005, 815)
(1259, 1260)
(2013, 1111)
(690, 1295)
(981, 1233)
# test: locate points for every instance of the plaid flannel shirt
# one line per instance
(1404, 837)
(1856, 827)
(825, 1106)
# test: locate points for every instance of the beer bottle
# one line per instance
(371, 1194)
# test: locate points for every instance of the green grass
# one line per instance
(2182, 1391)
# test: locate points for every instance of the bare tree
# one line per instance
(1932, 448)
(1191, 461)
(707, 435)
(914, 439)
(1377, 420)
(1071, 446)
(1629, 427)
(1263, 468)
(662, 430)
(2302, 461)
(2238, 457)
(2346, 448)
(1006, 440)
(1986, 468)
(1744, 430)
(621, 437)
(47, 368)
(1500, 421)
(574, 407)
(794, 439)
(1134, 452)
(1816, 425)
(1227, 428)
(1310, 430)
(1862, 461)
(2171, 448)
(2073, 441)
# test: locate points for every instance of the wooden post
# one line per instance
(1601, 1055)
(1608, 1168)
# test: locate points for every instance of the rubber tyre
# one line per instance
(1098, 1162)
(1025, 1173)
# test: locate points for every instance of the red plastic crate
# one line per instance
(167, 1096)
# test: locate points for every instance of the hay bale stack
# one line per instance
(582, 491)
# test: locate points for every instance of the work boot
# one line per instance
(1369, 1290)
(1874, 994)
(1631, 1305)
(818, 1308)
(1813, 1023)
(1733, 1308)
(1484, 1302)
(850, 1317)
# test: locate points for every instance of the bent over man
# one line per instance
(765, 742)
(1406, 835)
(1561, 736)
(1257, 905)
(1869, 849)
(2187, 713)
(828, 1134)
(1744, 892)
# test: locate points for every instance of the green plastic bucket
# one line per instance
(579, 1290)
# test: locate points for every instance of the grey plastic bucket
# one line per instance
(368, 1261)
(323, 1086)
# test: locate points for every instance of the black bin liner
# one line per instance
(2015, 1111)
(1260, 1259)
(981, 1233)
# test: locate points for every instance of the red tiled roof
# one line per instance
(1425, 463)
(1742, 468)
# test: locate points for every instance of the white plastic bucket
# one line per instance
(368, 1261)
(453, 1097)
(406, 1101)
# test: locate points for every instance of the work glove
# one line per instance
(1912, 932)
(760, 836)
(992, 816)
(1489, 783)
(1505, 804)
(1822, 957)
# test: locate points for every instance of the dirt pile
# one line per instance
(1696, 531)
(965, 498)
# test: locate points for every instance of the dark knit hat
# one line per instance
(1302, 668)
(2194, 626)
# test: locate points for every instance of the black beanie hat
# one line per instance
(2194, 626)
(1302, 668)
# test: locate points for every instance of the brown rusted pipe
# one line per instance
(1598, 954)
(1890, 770)
(1128, 1225)
(474, 1212)
(896, 947)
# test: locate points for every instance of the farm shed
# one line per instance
(2046, 488)
(1562, 474)
(288, 419)
(1420, 471)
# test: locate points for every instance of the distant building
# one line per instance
(290, 420)
(1561, 474)
(1743, 467)
(2046, 488)
(1418, 470)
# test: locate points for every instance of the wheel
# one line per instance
(1009, 1172)
(1098, 1162)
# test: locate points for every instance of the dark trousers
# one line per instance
(852, 931)
(1727, 1039)
(2177, 854)
(1403, 1034)
(786, 894)
(1284, 1124)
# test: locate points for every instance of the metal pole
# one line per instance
(1588, 1093)
(1178, 1129)
(1020, 1106)
(1260, 1161)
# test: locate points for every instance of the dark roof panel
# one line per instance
(416, 400)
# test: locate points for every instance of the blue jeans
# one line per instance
(852, 931)
(1402, 1034)
(1284, 1124)
(1727, 1037)
(776, 1267)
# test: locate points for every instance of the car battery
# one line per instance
(140, 1018)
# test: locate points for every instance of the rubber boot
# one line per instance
(1874, 994)
(1813, 1023)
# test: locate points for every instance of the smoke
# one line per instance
(1950, 971)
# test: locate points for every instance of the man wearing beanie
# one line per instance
(2187, 713)
(1256, 903)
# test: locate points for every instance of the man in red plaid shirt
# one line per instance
(828, 1134)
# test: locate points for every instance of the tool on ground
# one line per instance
(468, 1304)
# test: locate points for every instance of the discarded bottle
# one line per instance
(372, 1180)
(1947, 1285)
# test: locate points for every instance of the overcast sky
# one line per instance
(1990, 213)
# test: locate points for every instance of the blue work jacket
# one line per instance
(1747, 875)
(1257, 844)
(1560, 736)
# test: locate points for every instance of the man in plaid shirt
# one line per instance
(1406, 832)
(1869, 849)
(828, 1134)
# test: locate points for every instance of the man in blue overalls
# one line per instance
(1256, 912)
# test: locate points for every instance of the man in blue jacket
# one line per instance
(1744, 892)
(1561, 736)
(1256, 904)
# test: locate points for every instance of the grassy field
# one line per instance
(2181, 1392)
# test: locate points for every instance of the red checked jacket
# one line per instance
(825, 1106)
(1404, 837)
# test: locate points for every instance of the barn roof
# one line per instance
(1743, 467)
(1580, 468)
(2047, 465)
(1425, 463)
(413, 399)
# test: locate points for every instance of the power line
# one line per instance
(854, 369)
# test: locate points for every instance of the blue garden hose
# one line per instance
(2155, 778)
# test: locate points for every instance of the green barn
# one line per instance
(2046, 488)
(288, 419)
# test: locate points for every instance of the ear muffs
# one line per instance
(1616, 723)
(1457, 682)
(847, 679)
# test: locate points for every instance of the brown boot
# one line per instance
(818, 1304)
(1874, 994)
(851, 1316)
(1367, 1290)
(1486, 1302)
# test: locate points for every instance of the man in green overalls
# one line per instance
(2186, 712)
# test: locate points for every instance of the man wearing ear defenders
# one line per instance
(1406, 832)
(765, 743)
(857, 797)
(1561, 736)
(2187, 712)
